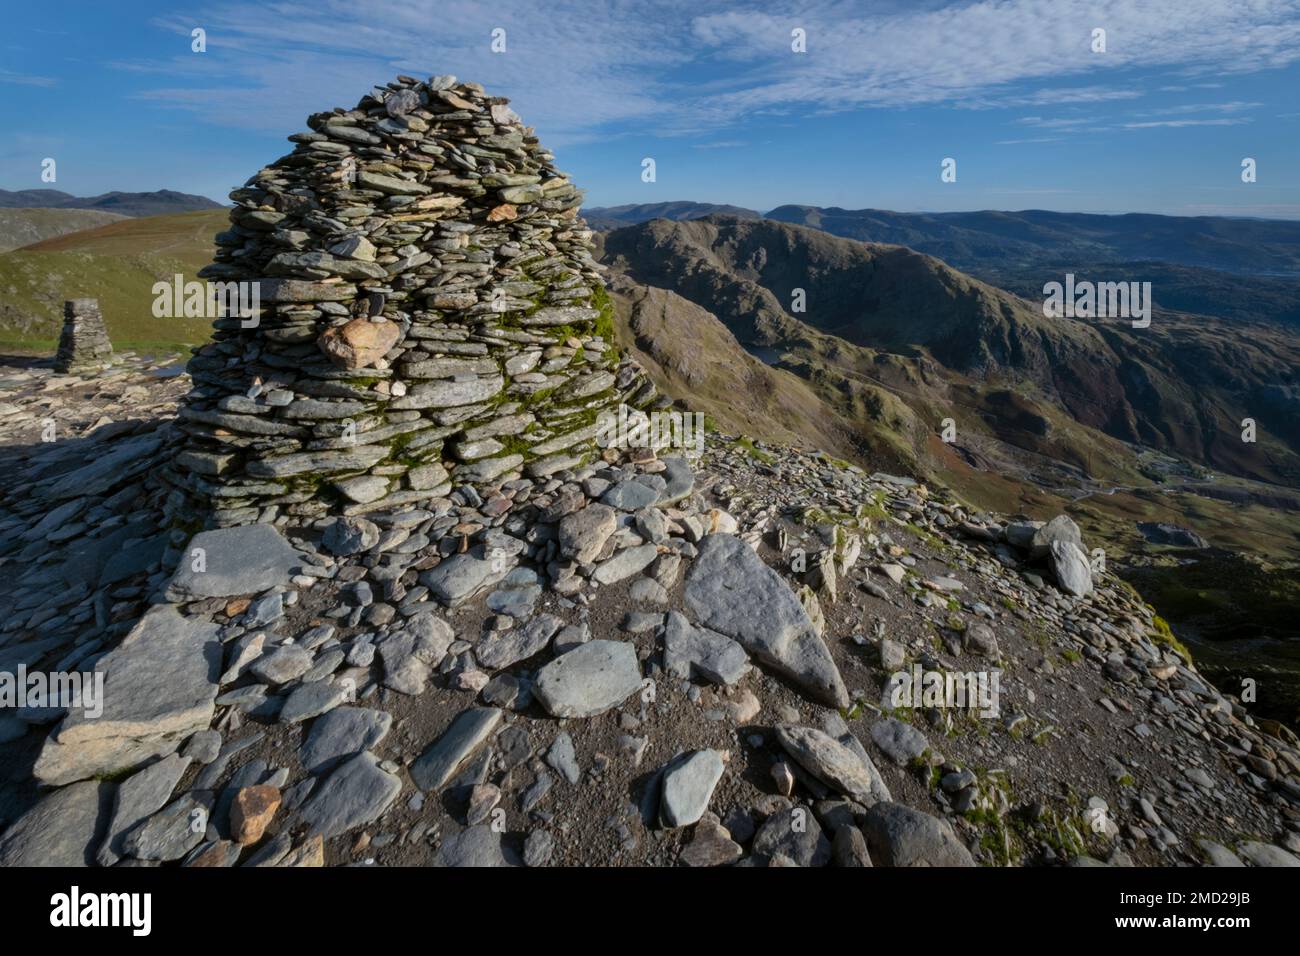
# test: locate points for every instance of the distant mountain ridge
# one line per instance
(158, 203)
(968, 240)
(615, 217)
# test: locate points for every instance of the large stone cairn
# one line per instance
(83, 344)
(431, 316)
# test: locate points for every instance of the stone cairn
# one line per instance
(83, 344)
(432, 315)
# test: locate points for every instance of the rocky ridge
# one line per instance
(642, 660)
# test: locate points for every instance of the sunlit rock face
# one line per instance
(417, 307)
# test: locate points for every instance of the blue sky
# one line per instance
(1159, 122)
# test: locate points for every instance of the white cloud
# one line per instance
(574, 69)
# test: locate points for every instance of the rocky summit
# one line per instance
(358, 587)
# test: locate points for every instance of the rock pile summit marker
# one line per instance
(432, 315)
(83, 344)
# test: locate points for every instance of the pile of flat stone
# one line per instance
(83, 344)
(431, 315)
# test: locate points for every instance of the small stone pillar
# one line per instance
(84, 344)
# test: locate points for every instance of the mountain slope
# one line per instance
(22, 227)
(118, 264)
(1156, 386)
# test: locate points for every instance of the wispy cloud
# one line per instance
(1178, 123)
(26, 79)
(577, 69)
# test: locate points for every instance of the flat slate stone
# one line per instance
(460, 577)
(730, 590)
(466, 733)
(171, 832)
(161, 680)
(834, 764)
(64, 829)
(503, 648)
(476, 846)
(237, 561)
(688, 787)
(312, 700)
(696, 652)
(355, 794)
(626, 563)
(137, 798)
(342, 733)
(589, 680)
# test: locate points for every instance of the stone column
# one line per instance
(84, 345)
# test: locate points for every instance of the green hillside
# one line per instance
(117, 264)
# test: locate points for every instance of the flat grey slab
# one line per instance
(467, 732)
(355, 794)
(589, 680)
(730, 590)
(235, 561)
(161, 679)
(834, 764)
(64, 829)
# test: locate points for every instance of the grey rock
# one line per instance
(900, 836)
(355, 794)
(160, 681)
(460, 577)
(696, 652)
(1061, 528)
(502, 648)
(688, 784)
(583, 534)
(563, 759)
(1266, 854)
(625, 563)
(171, 832)
(342, 733)
(141, 796)
(348, 536)
(236, 561)
(794, 835)
(589, 680)
(1070, 565)
(64, 829)
(538, 848)
(837, 766)
(631, 495)
(312, 700)
(730, 590)
(462, 738)
(476, 846)
(901, 743)
(281, 664)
